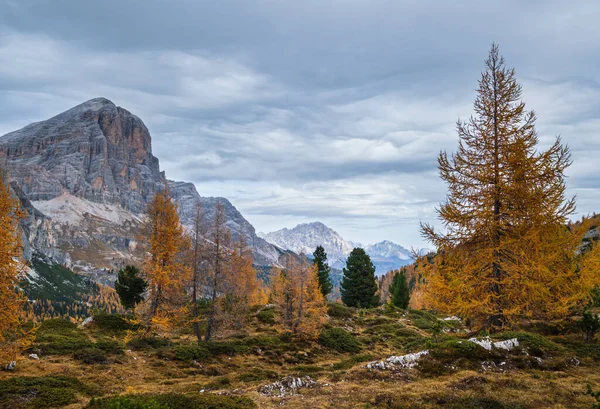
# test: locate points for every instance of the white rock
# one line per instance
(87, 321)
(11, 366)
(488, 344)
(403, 361)
(34, 356)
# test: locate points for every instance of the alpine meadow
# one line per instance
(124, 288)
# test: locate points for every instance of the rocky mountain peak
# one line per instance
(96, 151)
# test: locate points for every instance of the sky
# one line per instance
(313, 110)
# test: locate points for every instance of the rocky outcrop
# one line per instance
(96, 151)
(84, 178)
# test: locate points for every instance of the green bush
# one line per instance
(352, 361)
(337, 310)
(60, 337)
(109, 345)
(537, 344)
(91, 356)
(142, 343)
(34, 392)
(113, 322)
(258, 374)
(172, 401)
(340, 340)
(267, 316)
(207, 350)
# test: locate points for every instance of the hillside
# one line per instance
(379, 358)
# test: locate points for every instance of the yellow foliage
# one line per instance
(163, 267)
(12, 338)
(506, 253)
(295, 290)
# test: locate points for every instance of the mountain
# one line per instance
(84, 178)
(305, 237)
(387, 256)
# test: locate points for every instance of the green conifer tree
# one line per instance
(130, 287)
(320, 259)
(359, 286)
(399, 290)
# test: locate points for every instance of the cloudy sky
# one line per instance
(329, 110)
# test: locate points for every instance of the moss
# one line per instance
(339, 340)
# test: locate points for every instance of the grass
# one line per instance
(164, 372)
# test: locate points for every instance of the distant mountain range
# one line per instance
(304, 238)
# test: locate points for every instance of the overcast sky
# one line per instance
(297, 111)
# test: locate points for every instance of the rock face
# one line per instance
(96, 151)
(85, 177)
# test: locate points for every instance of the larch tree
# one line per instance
(320, 260)
(218, 255)
(12, 338)
(359, 286)
(295, 290)
(163, 268)
(506, 253)
(197, 261)
(242, 289)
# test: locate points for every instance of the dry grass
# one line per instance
(345, 385)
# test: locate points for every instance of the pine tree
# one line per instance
(506, 254)
(320, 260)
(197, 257)
(164, 241)
(130, 287)
(295, 290)
(399, 290)
(12, 338)
(359, 285)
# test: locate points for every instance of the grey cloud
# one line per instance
(302, 111)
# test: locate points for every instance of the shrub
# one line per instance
(190, 353)
(39, 392)
(337, 310)
(353, 360)
(60, 337)
(537, 344)
(589, 324)
(91, 356)
(172, 401)
(267, 316)
(109, 345)
(113, 322)
(258, 374)
(207, 350)
(340, 340)
(148, 342)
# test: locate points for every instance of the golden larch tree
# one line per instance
(506, 253)
(295, 290)
(218, 256)
(242, 289)
(163, 268)
(11, 298)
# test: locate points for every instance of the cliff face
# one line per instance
(85, 177)
(96, 151)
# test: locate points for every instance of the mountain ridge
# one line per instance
(94, 164)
